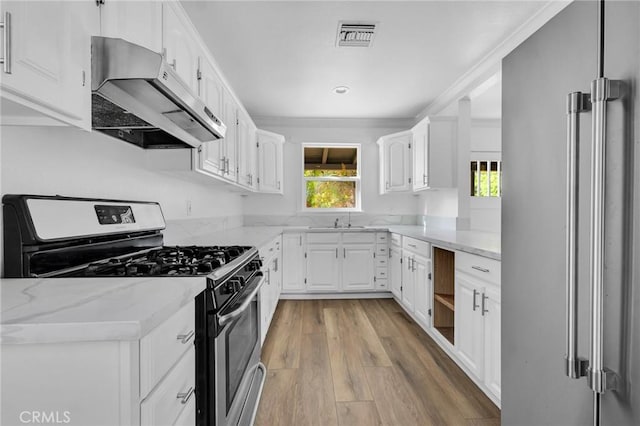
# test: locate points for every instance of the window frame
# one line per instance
(357, 179)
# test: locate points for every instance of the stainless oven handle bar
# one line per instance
(262, 367)
(577, 103)
(226, 319)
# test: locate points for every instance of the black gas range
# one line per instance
(66, 237)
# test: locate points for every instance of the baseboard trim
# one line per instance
(312, 296)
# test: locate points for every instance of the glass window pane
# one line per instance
(330, 161)
(331, 195)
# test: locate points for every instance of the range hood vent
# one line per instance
(137, 97)
(355, 34)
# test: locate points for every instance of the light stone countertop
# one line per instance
(90, 309)
(126, 308)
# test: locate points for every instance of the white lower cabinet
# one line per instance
(477, 318)
(395, 266)
(408, 282)
(358, 267)
(271, 255)
(323, 271)
(116, 382)
(293, 271)
(422, 291)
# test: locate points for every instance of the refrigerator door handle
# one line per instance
(602, 90)
(577, 103)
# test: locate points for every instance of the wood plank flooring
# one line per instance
(360, 363)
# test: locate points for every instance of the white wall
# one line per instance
(71, 162)
(365, 132)
(486, 144)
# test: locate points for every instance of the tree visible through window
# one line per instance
(331, 177)
(486, 178)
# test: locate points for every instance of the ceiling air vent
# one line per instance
(355, 34)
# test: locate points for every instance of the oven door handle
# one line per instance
(227, 318)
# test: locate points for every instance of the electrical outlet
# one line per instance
(188, 207)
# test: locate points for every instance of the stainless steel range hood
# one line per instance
(139, 98)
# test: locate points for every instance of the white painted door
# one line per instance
(421, 156)
(397, 161)
(138, 22)
(357, 267)
(395, 271)
(492, 342)
(270, 162)
(180, 43)
(408, 282)
(421, 272)
(293, 272)
(469, 324)
(323, 269)
(211, 91)
(50, 58)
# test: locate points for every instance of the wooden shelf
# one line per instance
(447, 300)
(447, 332)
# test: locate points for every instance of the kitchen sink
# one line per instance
(340, 228)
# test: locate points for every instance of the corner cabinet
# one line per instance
(270, 162)
(420, 158)
(395, 166)
(47, 72)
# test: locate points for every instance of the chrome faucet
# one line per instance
(335, 225)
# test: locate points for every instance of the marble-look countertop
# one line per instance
(89, 309)
(485, 244)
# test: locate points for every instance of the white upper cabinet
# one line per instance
(180, 44)
(395, 165)
(270, 162)
(47, 61)
(421, 156)
(230, 141)
(247, 152)
(138, 22)
(442, 152)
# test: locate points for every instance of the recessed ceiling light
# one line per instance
(340, 90)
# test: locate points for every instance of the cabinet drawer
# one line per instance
(358, 237)
(163, 405)
(382, 261)
(382, 238)
(381, 273)
(382, 251)
(328, 238)
(419, 247)
(381, 283)
(161, 349)
(396, 240)
(478, 266)
(270, 249)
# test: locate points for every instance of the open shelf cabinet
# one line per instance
(444, 292)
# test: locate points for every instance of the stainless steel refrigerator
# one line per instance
(571, 220)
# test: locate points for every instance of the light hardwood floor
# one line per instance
(362, 362)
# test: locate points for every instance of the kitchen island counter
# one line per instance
(49, 310)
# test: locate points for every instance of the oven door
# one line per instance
(237, 356)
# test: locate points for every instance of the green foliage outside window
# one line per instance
(330, 194)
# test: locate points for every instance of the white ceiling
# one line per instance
(282, 61)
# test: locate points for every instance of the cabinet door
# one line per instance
(211, 91)
(408, 282)
(397, 162)
(357, 267)
(50, 59)
(441, 152)
(138, 22)
(422, 274)
(421, 156)
(264, 296)
(492, 342)
(395, 271)
(180, 43)
(323, 271)
(293, 262)
(230, 140)
(246, 151)
(270, 162)
(469, 325)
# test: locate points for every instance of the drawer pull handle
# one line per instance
(184, 338)
(6, 46)
(185, 396)
(478, 268)
(412, 245)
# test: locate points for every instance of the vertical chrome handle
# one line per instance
(344, 253)
(228, 169)
(475, 293)
(184, 338)
(6, 43)
(413, 264)
(424, 180)
(336, 252)
(602, 90)
(300, 240)
(484, 309)
(577, 102)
